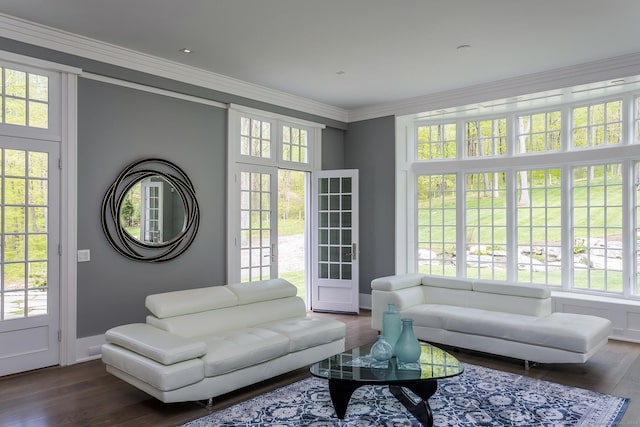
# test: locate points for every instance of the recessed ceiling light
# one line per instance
(186, 50)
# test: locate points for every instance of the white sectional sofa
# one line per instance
(200, 343)
(498, 318)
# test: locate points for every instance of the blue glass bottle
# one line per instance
(391, 326)
(408, 347)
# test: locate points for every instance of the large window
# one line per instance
(545, 197)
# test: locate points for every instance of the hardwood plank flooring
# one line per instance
(85, 395)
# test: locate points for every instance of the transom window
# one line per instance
(597, 124)
(255, 137)
(25, 98)
(295, 144)
(555, 218)
(436, 141)
(539, 133)
(486, 138)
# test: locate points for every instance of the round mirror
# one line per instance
(150, 212)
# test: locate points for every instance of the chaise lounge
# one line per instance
(505, 319)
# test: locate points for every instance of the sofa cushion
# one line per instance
(159, 345)
(448, 282)
(513, 289)
(162, 377)
(575, 332)
(263, 290)
(400, 281)
(430, 315)
(236, 349)
(306, 332)
(566, 331)
(177, 303)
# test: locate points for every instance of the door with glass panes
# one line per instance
(335, 272)
(257, 187)
(29, 264)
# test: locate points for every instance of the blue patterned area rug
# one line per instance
(479, 397)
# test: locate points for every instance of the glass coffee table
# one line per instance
(355, 368)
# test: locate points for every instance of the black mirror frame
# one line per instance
(127, 245)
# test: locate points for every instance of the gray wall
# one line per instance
(370, 148)
(332, 149)
(117, 126)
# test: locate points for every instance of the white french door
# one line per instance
(335, 261)
(258, 226)
(29, 260)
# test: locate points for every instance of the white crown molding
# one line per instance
(58, 40)
(602, 70)
(51, 38)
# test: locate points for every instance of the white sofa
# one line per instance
(200, 343)
(498, 318)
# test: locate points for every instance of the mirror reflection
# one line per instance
(152, 211)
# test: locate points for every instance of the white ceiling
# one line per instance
(355, 53)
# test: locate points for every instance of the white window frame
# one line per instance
(408, 168)
(53, 131)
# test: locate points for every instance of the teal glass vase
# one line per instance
(391, 326)
(408, 347)
(381, 350)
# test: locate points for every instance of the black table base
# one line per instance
(341, 390)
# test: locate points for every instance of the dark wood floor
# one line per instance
(85, 395)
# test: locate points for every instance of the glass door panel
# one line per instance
(335, 267)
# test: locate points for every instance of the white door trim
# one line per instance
(69, 219)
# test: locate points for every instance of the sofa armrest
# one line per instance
(396, 282)
(156, 344)
(402, 299)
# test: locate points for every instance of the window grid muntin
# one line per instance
(24, 260)
(485, 225)
(295, 144)
(539, 132)
(255, 226)
(24, 98)
(437, 195)
(531, 248)
(486, 138)
(636, 119)
(335, 227)
(596, 125)
(436, 141)
(594, 264)
(635, 290)
(255, 137)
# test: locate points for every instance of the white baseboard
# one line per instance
(365, 301)
(89, 348)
